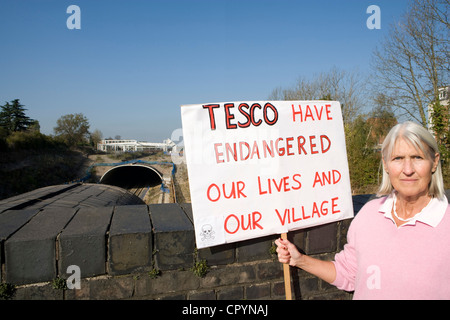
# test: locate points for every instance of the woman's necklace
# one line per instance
(394, 209)
(401, 219)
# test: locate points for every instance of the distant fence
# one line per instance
(88, 173)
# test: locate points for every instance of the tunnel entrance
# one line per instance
(132, 176)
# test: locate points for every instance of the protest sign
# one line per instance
(258, 168)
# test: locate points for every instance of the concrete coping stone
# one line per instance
(31, 251)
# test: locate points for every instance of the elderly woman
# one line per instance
(398, 245)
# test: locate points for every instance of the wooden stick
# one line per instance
(287, 275)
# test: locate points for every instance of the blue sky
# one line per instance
(133, 63)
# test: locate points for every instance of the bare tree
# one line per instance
(413, 60)
(340, 85)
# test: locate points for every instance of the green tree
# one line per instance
(96, 137)
(73, 129)
(382, 118)
(440, 125)
(13, 118)
(363, 155)
(364, 137)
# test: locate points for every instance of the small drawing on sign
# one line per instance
(207, 232)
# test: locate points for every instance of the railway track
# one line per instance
(150, 195)
(139, 192)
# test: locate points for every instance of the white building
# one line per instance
(108, 145)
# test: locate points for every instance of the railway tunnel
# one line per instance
(132, 176)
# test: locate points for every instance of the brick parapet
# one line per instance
(117, 248)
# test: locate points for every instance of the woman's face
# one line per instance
(410, 170)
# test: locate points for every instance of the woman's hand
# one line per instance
(288, 253)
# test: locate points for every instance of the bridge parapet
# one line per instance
(117, 247)
(120, 248)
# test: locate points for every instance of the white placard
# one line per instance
(258, 168)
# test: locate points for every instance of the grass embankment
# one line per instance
(26, 170)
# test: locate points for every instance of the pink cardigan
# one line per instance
(383, 261)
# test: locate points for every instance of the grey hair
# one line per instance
(422, 139)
